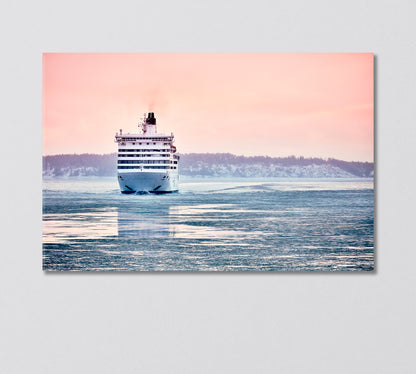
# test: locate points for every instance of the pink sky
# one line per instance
(275, 104)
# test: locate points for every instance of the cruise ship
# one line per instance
(147, 162)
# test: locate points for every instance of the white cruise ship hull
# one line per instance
(146, 162)
(148, 182)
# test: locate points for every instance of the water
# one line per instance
(210, 225)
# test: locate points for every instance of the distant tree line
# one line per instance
(359, 169)
(80, 164)
(228, 158)
(195, 164)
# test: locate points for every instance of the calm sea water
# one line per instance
(210, 225)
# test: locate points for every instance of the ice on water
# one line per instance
(210, 225)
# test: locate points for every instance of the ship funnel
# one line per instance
(151, 119)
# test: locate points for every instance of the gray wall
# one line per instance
(209, 323)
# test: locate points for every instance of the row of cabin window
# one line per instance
(145, 143)
(148, 167)
(141, 155)
(147, 139)
(143, 162)
(144, 150)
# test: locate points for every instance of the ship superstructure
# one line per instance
(146, 162)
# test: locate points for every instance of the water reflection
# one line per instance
(183, 222)
(205, 221)
(143, 224)
(61, 228)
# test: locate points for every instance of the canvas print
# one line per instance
(203, 162)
